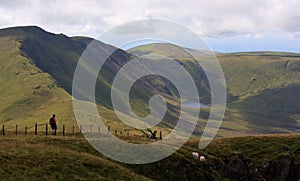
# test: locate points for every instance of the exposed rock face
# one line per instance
(282, 168)
(236, 167)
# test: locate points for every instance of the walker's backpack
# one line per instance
(51, 122)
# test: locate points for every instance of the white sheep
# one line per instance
(202, 158)
(195, 155)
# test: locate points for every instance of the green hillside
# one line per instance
(56, 56)
(264, 88)
(72, 158)
(49, 61)
(28, 95)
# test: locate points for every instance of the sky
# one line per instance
(225, 25)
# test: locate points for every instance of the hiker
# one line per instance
(53, 124)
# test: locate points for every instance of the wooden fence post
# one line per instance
(16, 129)
(63, 130)
(73, 131)
(160, 135)
(116, 132)
(35, 130)
(98, 129)
(108, 130)
(25, 130)
(46, 129)
(3, 130)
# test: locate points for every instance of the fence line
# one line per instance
(63, 131)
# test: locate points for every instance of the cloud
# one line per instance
(211, 18)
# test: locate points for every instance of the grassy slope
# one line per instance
(58, 55)
(28, 95)
(265, 88)
(48, 62)
(61, 158)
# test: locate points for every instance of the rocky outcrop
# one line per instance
(236, 167)
(281, 168)
(233, 167)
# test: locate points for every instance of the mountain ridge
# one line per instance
(248, 75)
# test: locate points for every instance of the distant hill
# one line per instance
(166, 49)
(37, 67)
(263, 88)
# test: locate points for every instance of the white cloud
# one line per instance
(212, 18)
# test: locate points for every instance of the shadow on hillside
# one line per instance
(272, 108)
